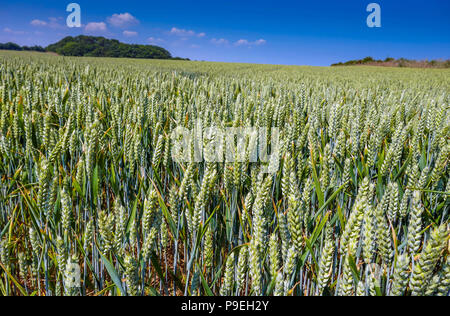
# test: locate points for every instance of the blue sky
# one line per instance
(316, 32)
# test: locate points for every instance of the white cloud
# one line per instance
(220, 41)
(181, 32)
(122, 20)
(38, 23)
(244, 42)
(54, 23)
(95, 27)
(260, 42)
(153, 40)
(10, 31)
(130, 33)
(185, 33)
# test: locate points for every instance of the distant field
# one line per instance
(100, 197)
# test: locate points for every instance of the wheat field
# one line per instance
(95, 202)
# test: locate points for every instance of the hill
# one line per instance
(90, 46)
(401, 62)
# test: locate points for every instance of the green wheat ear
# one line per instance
(423, 268)
(228, 280)
(401, 276)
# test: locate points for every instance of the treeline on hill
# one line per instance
(401, 62)
(13, 46)
(90, 46)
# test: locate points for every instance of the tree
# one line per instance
(103, 47)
